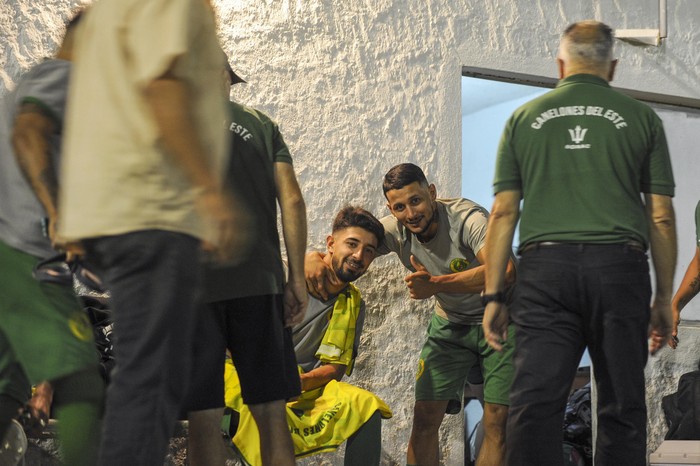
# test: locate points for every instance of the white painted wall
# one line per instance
(359, 86)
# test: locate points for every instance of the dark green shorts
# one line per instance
(43, 323)
(449, 353)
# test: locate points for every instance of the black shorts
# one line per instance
(253, 330)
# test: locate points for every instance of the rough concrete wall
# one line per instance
(359, 86)
(29, 31)
(522, 36)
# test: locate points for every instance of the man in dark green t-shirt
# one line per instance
(579, 156)
(251, 307)
(690, 285)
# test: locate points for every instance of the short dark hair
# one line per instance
(233, 78)
(350, 216)
(402, 175)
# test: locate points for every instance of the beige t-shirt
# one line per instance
(116, 178)
(461, 235)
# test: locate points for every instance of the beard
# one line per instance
(347, 275)
(424, 230)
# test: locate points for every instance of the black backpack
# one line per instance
(682, 409)
(578, 420)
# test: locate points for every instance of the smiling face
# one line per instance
(352, 250)
(415, 208)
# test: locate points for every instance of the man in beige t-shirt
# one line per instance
(139, 194)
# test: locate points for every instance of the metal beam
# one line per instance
(543, 81)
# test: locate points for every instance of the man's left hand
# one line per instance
(495, 325)
(295, 301)
(661, 325)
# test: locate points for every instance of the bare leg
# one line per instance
(276, 446)
(424, 445)
(205, 445)
(493, 450)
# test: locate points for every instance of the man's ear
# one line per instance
(562, 68)
(330, 241)
(611, 72)
(432, 191)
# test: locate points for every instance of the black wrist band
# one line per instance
(498, 297)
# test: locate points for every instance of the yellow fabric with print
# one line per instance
(320, 420)
(337, 344)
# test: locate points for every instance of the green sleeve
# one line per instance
(657, 177)
(507, 177)
(280, 150)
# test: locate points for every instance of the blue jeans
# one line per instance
(569, 297)
(154, 277)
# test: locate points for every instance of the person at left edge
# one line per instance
(44, 332)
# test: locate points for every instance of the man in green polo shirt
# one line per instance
(690, 285)
(579, 157)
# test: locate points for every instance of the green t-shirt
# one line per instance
(256, 146)
(580, 155)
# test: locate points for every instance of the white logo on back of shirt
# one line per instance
(577, 134)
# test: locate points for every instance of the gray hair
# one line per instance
(588, 42)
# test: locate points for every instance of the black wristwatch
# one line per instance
(498, 297)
